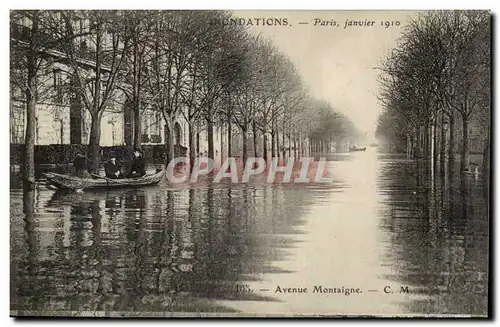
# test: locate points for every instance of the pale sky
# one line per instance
(338, 64)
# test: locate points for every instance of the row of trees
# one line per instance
(178, 63)
(439, 73)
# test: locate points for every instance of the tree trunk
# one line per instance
(264, 137)
(296, 151)
(289, 145)
(137, 95)
(29, 140)
(301, 145)
(229, 137)
(31, 100)
(273, 139)
(434, 143)
(408, 145)
(169, 140)
(192, 145)
(221, 144)
(210, 135)
(277, 137)
(254, 130)
(451, 150)
(244, 136)
(95, 137)
(465, 151)
(417, 151)
(137, 126)
(198, 143)
(283, 141)
(273, 144)
(427, 154)
(442, 154)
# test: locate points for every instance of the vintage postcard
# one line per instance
(217, 163)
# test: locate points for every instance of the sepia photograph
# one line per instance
(250, 163)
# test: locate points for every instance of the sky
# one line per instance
(338, 64)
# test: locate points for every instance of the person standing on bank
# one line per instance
(112, 168)
(82, 165)
(137, 166)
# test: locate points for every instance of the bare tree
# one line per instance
(216, 53)
(168, 69)
(95, 62)
(33, 44)
(471, 72)
(440, 71)
(281, 90)
(138, 28)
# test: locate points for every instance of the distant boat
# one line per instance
(354, 149)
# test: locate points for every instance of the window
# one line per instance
(145, 126)
(83, 47)
(16, 92)
(112, 122)
(84, 25)
(17, 123)
(58, 86)
(475, 145)
(26, 22)
(155, 128)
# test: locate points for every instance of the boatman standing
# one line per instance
(112, 168)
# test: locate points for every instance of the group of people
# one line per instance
(112, 168)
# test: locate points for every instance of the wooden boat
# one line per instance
(353, 149)
(60, 181)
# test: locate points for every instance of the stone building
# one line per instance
(61, 117)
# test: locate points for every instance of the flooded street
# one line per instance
(384, 238)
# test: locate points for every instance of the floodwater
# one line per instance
(385, 238)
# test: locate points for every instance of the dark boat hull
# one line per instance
(67, 182)
(356, 149)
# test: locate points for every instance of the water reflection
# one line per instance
(438, 229)
(143, 250)
(385, 221)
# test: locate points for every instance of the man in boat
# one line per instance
(137, 166)
(81, 165)
(112, 168)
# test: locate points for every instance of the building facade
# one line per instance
(61, 117)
